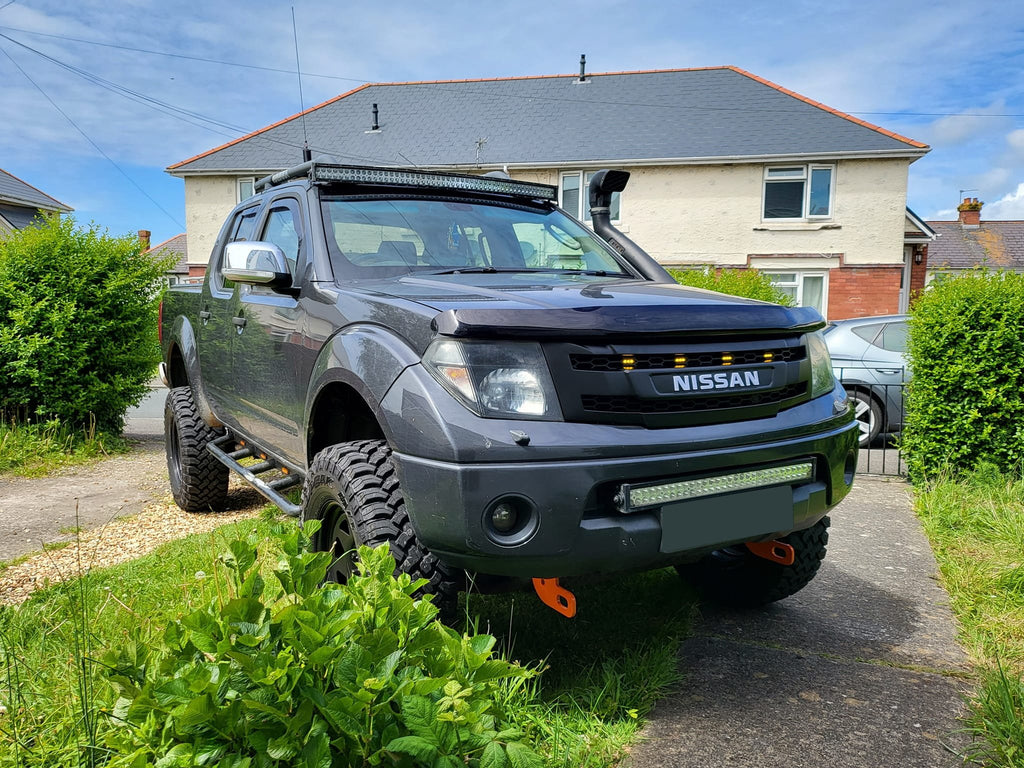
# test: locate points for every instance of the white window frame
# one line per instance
(238, 188)
(580, 211)
(800, 275)
(807, 169)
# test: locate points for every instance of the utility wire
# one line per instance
(179, 113)
(463, 89)
(93, 143)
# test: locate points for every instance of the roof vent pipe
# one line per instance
(583, 67)
(376, 126)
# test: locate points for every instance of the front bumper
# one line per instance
(577, 528)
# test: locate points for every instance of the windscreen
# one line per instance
(379, 238)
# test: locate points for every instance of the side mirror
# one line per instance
(257, 263)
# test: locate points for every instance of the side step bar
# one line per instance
(270, 490)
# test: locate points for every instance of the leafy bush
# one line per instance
(77, 324)
(748, 283)
(965, 403)
(314, 675)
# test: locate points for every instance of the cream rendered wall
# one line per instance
(208, 201)
(711, 214)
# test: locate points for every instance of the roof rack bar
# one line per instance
(282, 176)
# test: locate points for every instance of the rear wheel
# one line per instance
(736, 576)
(353, 489)
(199, 483)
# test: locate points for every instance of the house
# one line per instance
(728, 169)
(21, 203)
(181, 272)
(969, 242)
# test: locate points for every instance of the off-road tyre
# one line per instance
(737, 577)
(353, 489)
(199, 482)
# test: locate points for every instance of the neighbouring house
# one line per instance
(21, 203)
(728, 169)
(969, 242)
(181, 272)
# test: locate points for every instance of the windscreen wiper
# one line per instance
(525, 270)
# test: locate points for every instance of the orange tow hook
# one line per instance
(555, 596)
(776, 551)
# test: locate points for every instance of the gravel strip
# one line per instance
(121, 540)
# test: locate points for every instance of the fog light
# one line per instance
(504, 517)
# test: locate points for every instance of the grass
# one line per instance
(603, 670)
(976, 526)
(33, 450)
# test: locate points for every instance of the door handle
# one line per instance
(888, 371)
(205, 316)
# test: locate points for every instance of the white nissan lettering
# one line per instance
(694, 382)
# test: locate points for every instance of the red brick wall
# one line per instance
(864, 291)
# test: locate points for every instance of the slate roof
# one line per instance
(667, 115)
(178, 245)
(993, 244)
(14, 191)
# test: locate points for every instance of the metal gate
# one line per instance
(878, 398)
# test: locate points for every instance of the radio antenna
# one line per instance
(306, 154)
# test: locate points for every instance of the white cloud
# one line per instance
(1011, 206)
(971, 124)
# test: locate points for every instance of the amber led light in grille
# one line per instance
(628, 362)
(680, 361)
(726, 359)
(631, 498)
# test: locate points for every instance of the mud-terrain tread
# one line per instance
(202, 481)
(736, 577)
(364, 477)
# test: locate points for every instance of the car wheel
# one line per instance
(736, 576)
(199, 483)
(352, 488)
(869, 416)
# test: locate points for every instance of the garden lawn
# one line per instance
(976, 527)
(603, 670)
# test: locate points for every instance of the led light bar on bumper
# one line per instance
(631, 497)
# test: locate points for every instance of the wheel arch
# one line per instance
(339, 414)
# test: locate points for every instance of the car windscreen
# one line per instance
(389, 237)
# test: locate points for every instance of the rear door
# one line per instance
(271, 362)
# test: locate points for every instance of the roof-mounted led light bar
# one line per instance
(356, 174)
(631, 497)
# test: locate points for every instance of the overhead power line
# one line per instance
(88, 139)
(464, 89)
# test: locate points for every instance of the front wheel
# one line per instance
(736, 576)
(352, 488)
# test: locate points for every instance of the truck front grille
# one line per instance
(681, 359)
(627, 404)
(635, 383)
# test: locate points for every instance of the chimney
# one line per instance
(970, 212)
(144, 235)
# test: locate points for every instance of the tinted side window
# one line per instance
(282, 229)
(894, 337)
(241, 229)
(868, 332)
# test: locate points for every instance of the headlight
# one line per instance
(822, 381)
(496, 379)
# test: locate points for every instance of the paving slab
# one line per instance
(861, 668)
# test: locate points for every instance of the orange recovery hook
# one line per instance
(555, 596)
(775, 551)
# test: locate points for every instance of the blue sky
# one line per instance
(950, 74)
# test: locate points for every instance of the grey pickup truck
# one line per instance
(452, 365)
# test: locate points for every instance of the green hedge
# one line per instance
(77, 324)
(965, 402)
(736, 282)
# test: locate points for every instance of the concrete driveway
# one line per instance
(861, 668)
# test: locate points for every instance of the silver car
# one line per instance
(869, 358)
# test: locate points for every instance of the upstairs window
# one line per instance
(574, 195)
(798, 191)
